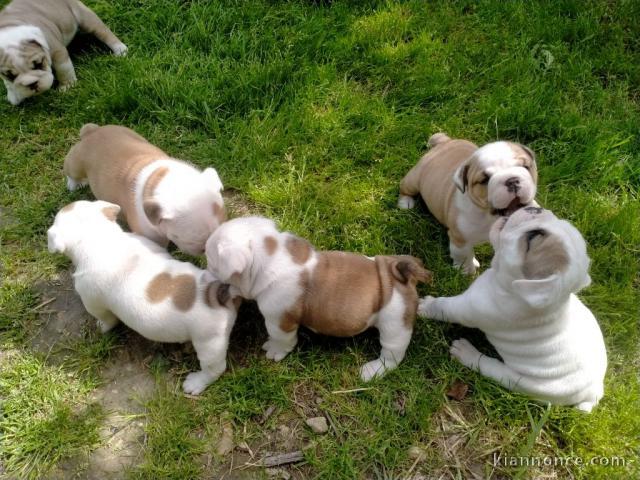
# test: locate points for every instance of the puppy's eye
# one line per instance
(10, 76)
(38, 65)
(531, 234)
(485, 180)
(527, 167)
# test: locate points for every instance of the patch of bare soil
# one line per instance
(127, 381)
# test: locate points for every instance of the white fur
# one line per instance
(550, 343)
(186, 196)
(236, 254)
(112, 272)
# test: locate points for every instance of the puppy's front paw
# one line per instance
(467, 354)
(405, 202)
(119, 50)
(104, 326)
(276, 351)
(67, 84)
(196, 382)
(426, 308)
(470, 268)
(370, 370)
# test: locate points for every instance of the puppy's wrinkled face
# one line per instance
(25, 69)
(500, 177)
(535, 249)
(73, 221)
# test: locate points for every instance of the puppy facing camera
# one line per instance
(34, 35)
(332, 293)
(467, 188)
(125, 277)
(550, 343)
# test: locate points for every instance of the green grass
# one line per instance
(314, 111)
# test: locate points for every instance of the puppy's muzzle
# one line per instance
(513, 184)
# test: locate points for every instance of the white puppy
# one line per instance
(125, 277)
(162, 198)
(34, 35)
(332, 293)
(550, 343)
(466, 188)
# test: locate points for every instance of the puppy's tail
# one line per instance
(438, 138)
(87, 128)
(407, 268)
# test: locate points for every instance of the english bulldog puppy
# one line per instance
(34, 35)
(162, 198)
(466, 188)
(550, 343)
(125, 277)
(332, 293)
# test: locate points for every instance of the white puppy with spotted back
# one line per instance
(550, 343)
(34, 35)
(125, 277)
(332, 293)
(466, 188)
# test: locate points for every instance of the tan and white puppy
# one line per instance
(34, 35)
(550, 343)
(466, 188)
(332, 293)
(162, 198)
(125, 277)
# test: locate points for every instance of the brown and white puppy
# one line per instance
(466, 188)
(34, 35)
(332, 293)
(162, 198)
(125, 277)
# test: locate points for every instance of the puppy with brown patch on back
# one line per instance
(126, 277)
(34, 35)
(162, 198)
(467, 188)
(550, 343)
(332, 293)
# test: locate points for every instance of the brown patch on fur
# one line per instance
(270, 244)
(219, 212)
(408, 271)
(181, 289)
(299, 249)
(526, 158)
(345, 290)
(68, 207)
(476, 190)
(547, 255)
(152, 209)
(111, 213)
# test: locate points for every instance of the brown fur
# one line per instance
(219, 212)
(526, 158)
(270, 244)
(181, 289)
(68, 207)
(547, 255)
(111, 213)
(111, 158)
(345, 290)
(299, 249)
(152, 209)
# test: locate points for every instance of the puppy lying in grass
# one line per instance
(125, 277)
(466, 188)
(550, 343)
(332, 293)
(34, 35)
(162, 198)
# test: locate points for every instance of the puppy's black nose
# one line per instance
(513, 184)
(33, 86)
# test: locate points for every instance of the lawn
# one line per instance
(312, 112)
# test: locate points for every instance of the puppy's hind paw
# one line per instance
(373, 369)
(275, 350)
(119, 50)
(405, 202)
(196, 382)
(466, 353)
(74, 185)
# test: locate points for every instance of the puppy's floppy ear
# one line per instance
(212, 180)
(232, 259)
(154, 212)
(55, 242)
(460, 175)
(538, 293)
